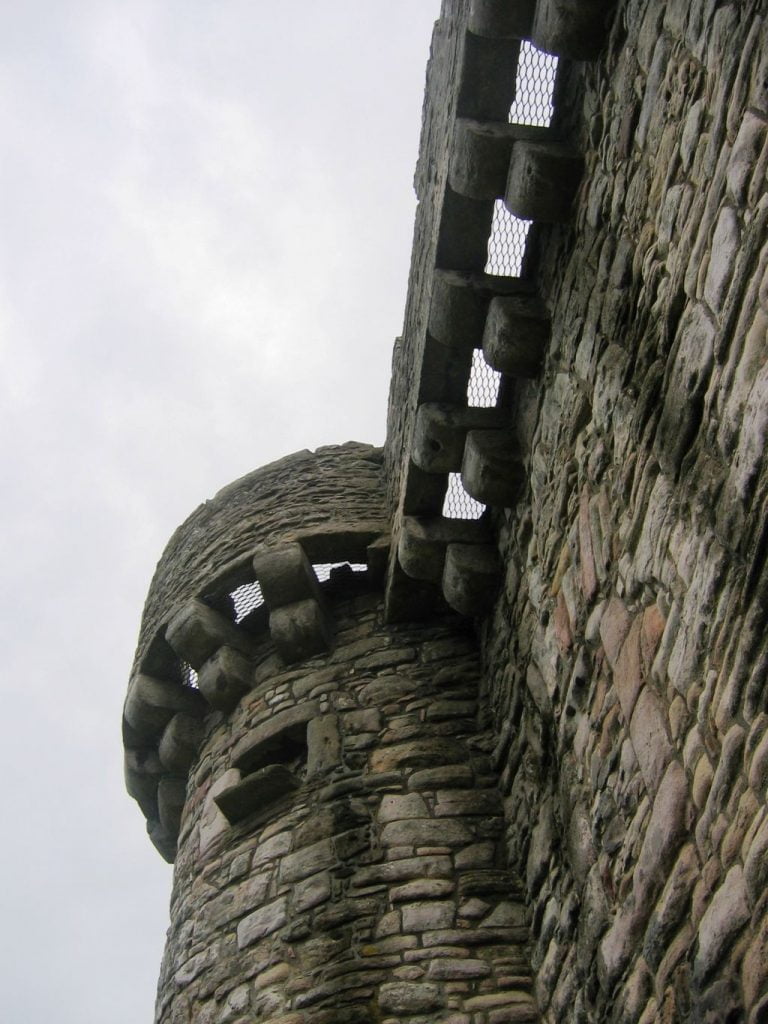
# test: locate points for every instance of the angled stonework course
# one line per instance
(518, 768)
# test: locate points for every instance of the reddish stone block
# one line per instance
(651, 634)
(628, 671)
(562, 623)
(588, 574)
(614, 627)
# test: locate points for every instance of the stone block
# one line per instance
(427, 752)
(151, 703)
(516, 335)
(441, 429)
(323, 745)
(488, 73)
(500, 18)
(196, 632)
(492, 469)
(285, 574)
(422, 543)
(542, 181)
(256, 792)
(424, 492)
(171, 794)
(225, 678)
(404, 997)
(162, 840)
(300, 630)
(576, 29)
(480, 154)
(465, 225)
(142, 771)
(457, 310)
(180, 742)
(471, 577)
(262, 922)
(723, 919)
(280, 738)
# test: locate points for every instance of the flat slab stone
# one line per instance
(279, 738)
(256, 792)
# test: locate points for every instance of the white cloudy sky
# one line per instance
(205, 222)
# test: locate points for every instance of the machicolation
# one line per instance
(473, 729)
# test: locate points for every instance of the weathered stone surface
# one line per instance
(279, 738)
(423, 543)
(261, 922)
(256, 792)
(471, 577)
(438, 442)
(196, 632)
(492, 470)
(542, 181)
(515, 335)
(498, 18)
(224, 678)
(480, 155)
(570, 28)
(300, 630)
(285, 574)
(323, 745)
(180, 742)
(152, 703)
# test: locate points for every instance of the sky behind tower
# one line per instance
(206, 216)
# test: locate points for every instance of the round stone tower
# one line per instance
(323, 780)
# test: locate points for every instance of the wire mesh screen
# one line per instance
(246, 598)
(534, 90)
(484, 382)
(534, 87)
(323, 571)
(188, 675)
(458, 504)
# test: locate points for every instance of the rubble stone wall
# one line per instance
(627, 653)
(376, 888)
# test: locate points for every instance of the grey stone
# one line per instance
(285, 574)
(180, 742)
(516, 335)
(571, 28)
(464, 228)
(441, 429)
(323, 745)
(262, 922)
(280, 738)
(171, 794)
(495, 18)
(725, 916)
(300, 630)
(471, 577)
(422, 543)
(256, 792)
(542, 181)
(480, 155)
(425, 832)
(152, 703)
(409, 997)
(487, 82)
(492, 470)
(196, 632)
(225, 678)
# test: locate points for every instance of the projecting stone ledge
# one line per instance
(256, 792)
(423, 542)
(516, 334)
(471, 577)
(196, 632)
(492, 471)
(495, 18)
(441, 430)
(481, 153)
(542, 181)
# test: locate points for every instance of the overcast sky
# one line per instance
(206, 211)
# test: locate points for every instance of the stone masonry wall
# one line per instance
(627, 652)
(376, 888)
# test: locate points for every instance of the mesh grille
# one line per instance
(484, 382)
(534, 89)
(323, 571)
(246, 598)
(188, 675)
(458, 504)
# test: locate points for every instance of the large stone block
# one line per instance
(151, 703)
(142, 770)
(542, 181)
(224, 678)
(500, 18)
(441, 429)
(516, 335)
(300, 630)
(280, 738)
(180, 742)
(481, 152)
(196, 632)
(422, 544)
(465, 225)
(492, 469)
(285, 574)
(575, 29)
(488, 73)
(171, 794)
(471, 577)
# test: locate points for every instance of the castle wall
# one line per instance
(627, 652)
(373, 886)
